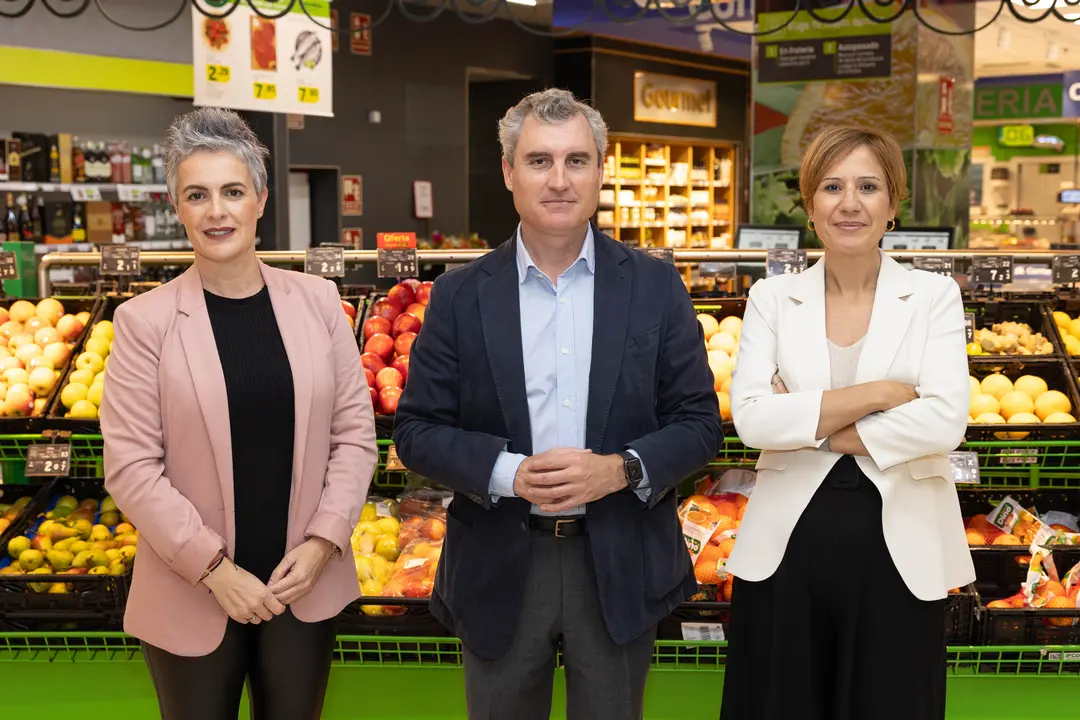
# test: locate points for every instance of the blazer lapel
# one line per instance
(888, 321)
(293, 325)
(200, 349)
(500, 321)
(611, 311)
(807, 329)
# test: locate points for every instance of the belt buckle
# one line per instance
(558, 527)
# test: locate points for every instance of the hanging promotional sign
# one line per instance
(251, 60)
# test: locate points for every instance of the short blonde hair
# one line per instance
(836, 143)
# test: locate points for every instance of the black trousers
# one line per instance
(285, 662)
(835, 634)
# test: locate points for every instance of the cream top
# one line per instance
(843, 361)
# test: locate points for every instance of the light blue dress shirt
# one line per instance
(556, 344)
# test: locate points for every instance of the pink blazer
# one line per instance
(168, 455)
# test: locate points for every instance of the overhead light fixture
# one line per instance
(531, 3)
(1053, 51)
(1004, 38)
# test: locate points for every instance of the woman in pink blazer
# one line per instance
(240, 440)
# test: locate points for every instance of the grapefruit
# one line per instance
(1050, 402)
(1030, 385)
(996, 385)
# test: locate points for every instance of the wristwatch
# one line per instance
(632, 468)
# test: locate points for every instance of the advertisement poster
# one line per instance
(846, 79)
(353, 238)
(352, 195)
(360, 34)
(249, 62)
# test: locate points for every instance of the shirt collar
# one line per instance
(525, 261)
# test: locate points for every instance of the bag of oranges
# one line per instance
(710, 523)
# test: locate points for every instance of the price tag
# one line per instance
(992, 269)
(120, 260)
(393, 462)
(965, 467)
(664, 254)
(938, 265)
(969, 327)
(85, 193)
(132, 193)
(785, 261)
(48, 460)
(325, 261)
(397, 263)
(308, 94)
(265, 91)
(1019, 456)
(632, 242)
(9, 267)
(218, 73)
(1065, 269)
(703, 632)
(720, 271)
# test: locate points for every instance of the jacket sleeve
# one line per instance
(763, 419)
(134, 453)
(427, 431)
(353, 452)
(935, 422)
(690, 433)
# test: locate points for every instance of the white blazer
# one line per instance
(916, 336)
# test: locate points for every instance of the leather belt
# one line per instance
(562, 527)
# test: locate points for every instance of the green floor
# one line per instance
(102, 677)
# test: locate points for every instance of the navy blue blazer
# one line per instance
(650, 388)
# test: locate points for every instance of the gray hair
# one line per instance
(214, 130)
(552, 106)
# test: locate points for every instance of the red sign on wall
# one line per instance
(945, 105)
(352, 195)
(353, 238)
(360, 34)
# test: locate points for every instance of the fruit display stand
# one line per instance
(381, 670)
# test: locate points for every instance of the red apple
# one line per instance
(372, 362)
(388, 377)
(386, 308)
(348, 308)
(418, 310)
(388, 400)
(375, 325)
(404, 342)
(382, 345)
(406, 323)
(423, 293)
(369, 376)
(374, 399)
(404, 294)
(401, 364)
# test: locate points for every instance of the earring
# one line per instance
(810, 224)
(891, 225)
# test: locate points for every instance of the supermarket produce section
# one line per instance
(69, 551)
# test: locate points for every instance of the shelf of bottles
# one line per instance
(86, 194)
(669, 194)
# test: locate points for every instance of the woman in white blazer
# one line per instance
(852, 380)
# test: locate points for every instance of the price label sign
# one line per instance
(9, 266)
(131, 193)
(52, 460)
(265, 91)
(664, 254)
(218, 73)
(632, 242)
(308, 94)
(1065, 269)
(785, 261)
(397, 255)
(393, 462)
(965, 467)
(325, 261)
(969, 327)
(938, 265)
(86, 193)
(992, 269)
(120, 260)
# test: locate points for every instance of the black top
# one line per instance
(259, 385)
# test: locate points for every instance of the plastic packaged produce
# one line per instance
(710, 521)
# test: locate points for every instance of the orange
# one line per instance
(705, 567)
(1061, 603)
(709, 325)
(1006, 539)
(741, 500)
(974, 537)
(999, 604)
(726, 546)
(726, 508)
(742, 511)
(729, 585)
(1050, 589)
(726, 523)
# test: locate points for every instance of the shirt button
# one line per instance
(566, 402)
(565, 349)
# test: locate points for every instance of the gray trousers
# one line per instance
(604, 681)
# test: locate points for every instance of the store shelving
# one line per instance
(675, 194)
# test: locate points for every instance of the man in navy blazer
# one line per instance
(560, 387)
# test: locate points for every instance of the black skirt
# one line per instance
(835, 634)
